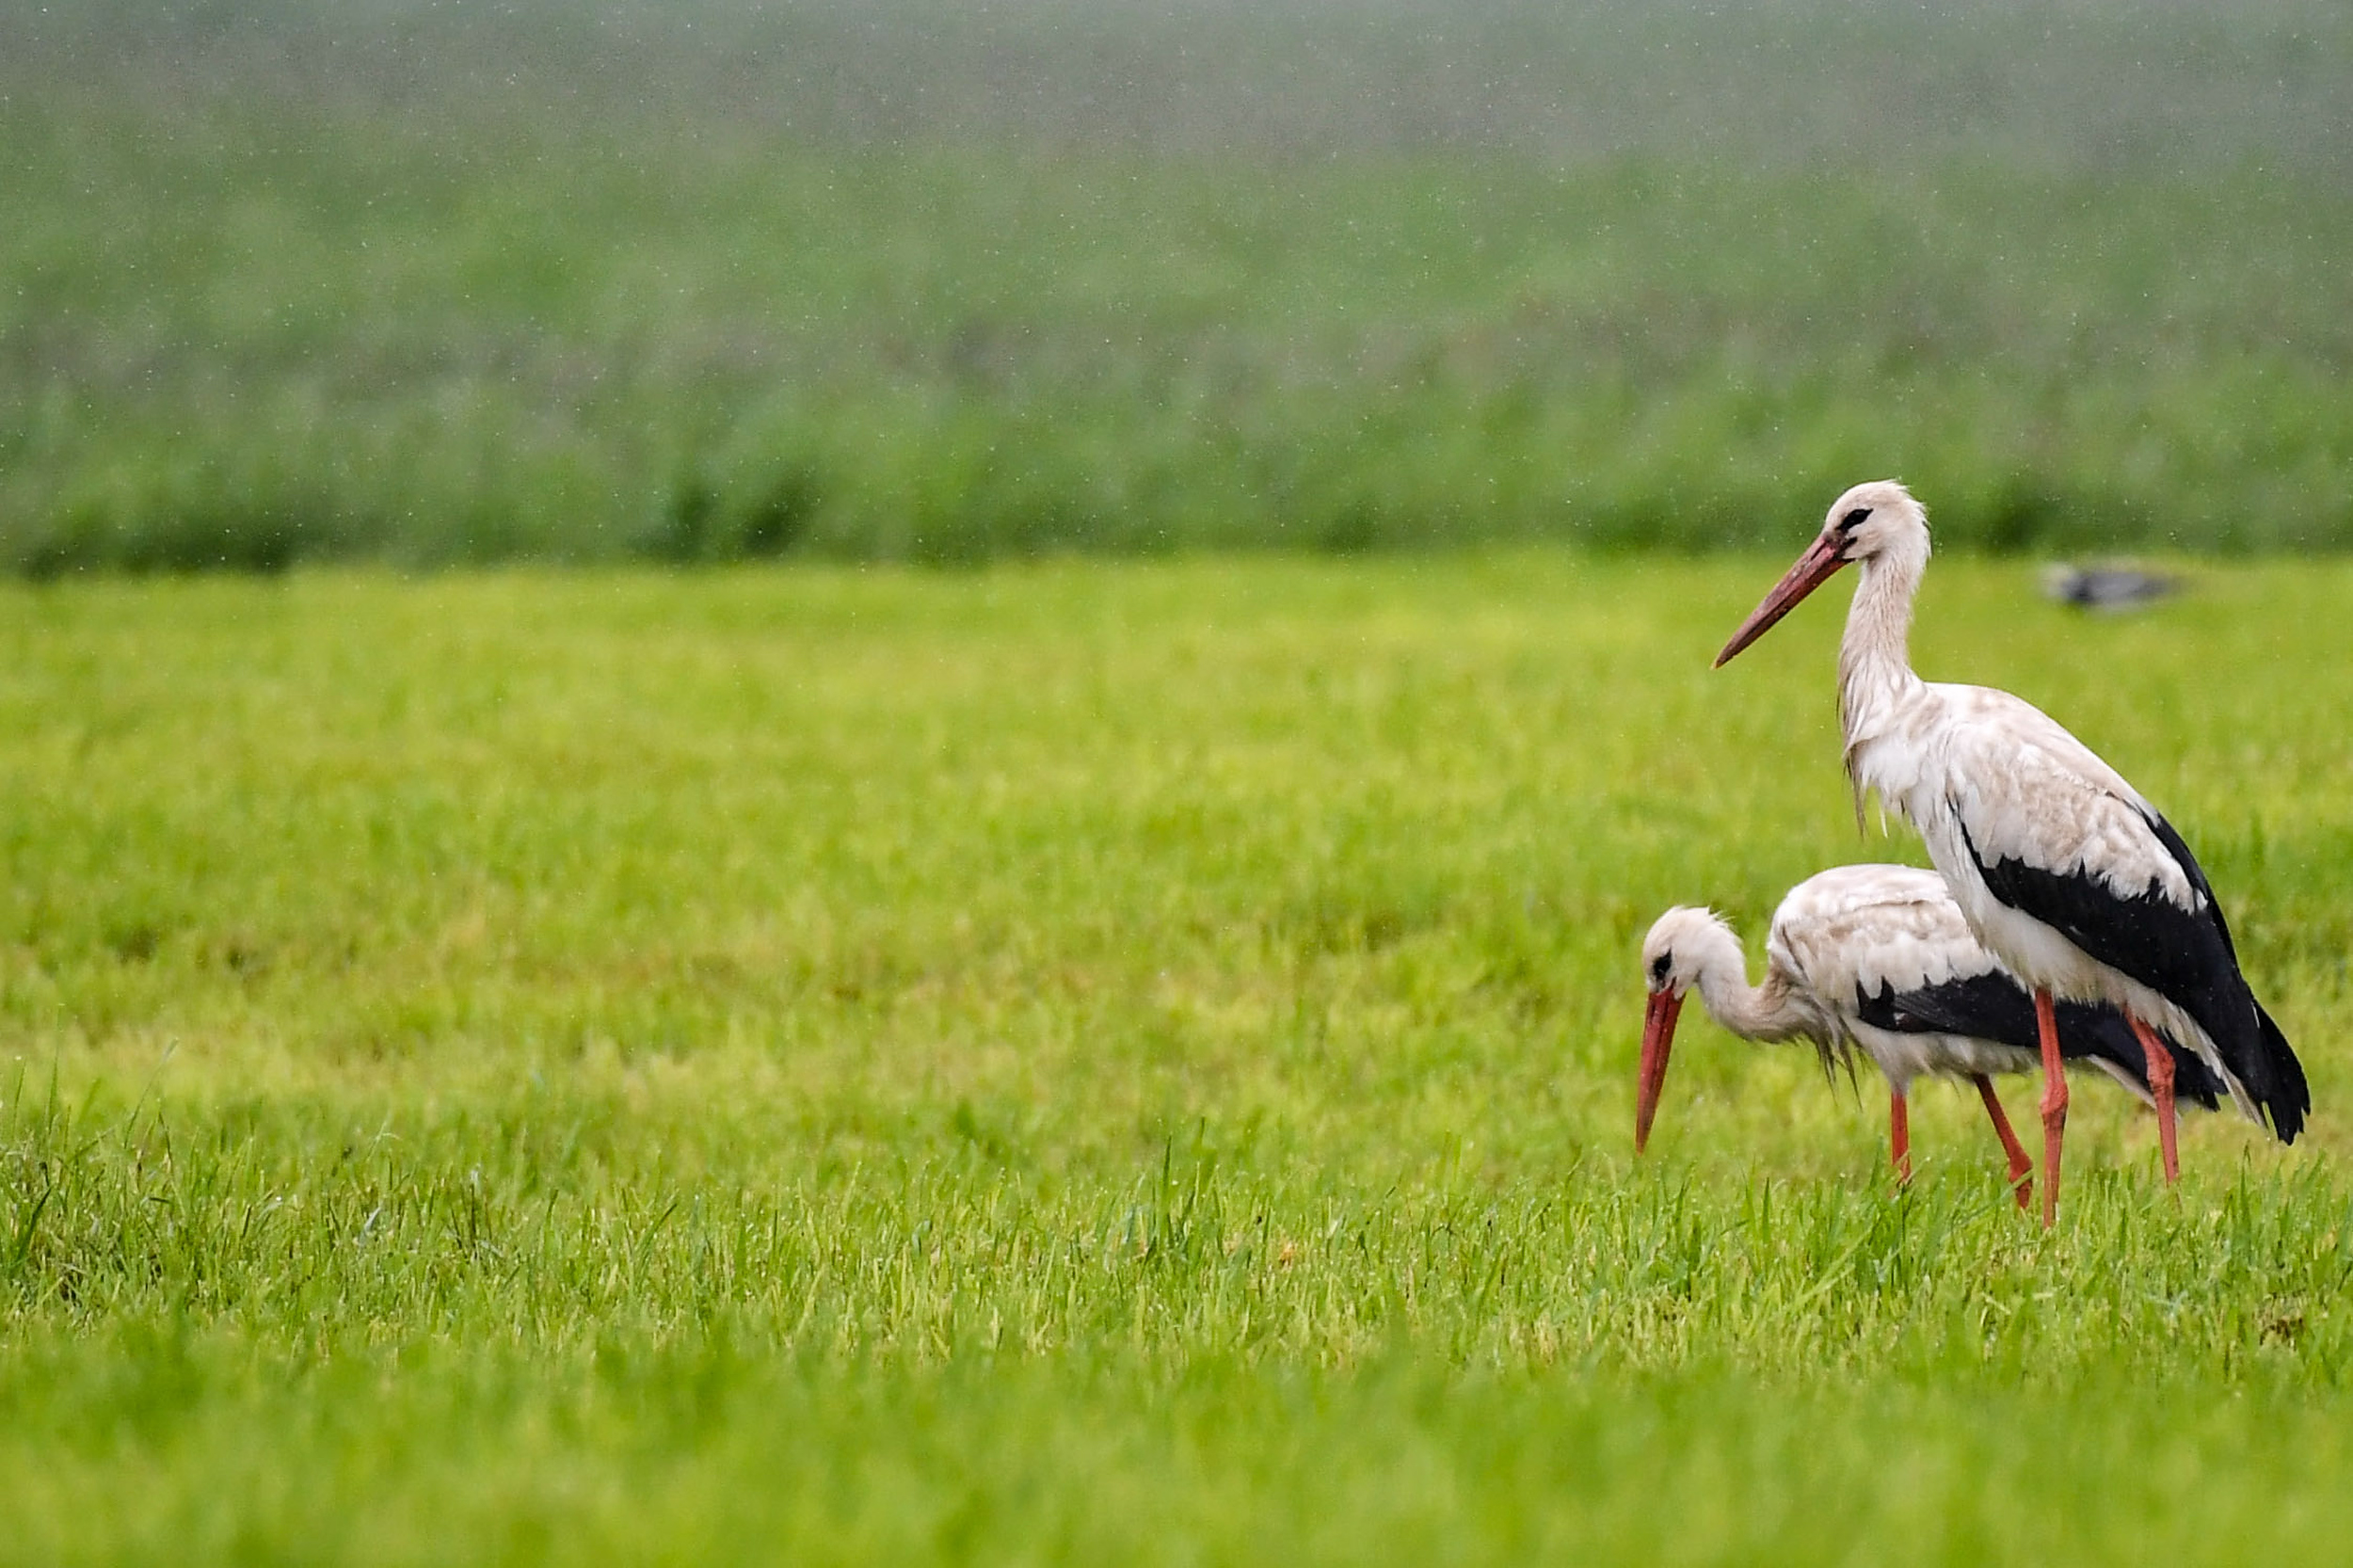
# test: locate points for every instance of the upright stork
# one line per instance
(2064, 873)
(1877, 959)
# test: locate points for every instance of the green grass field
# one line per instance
(1067, 1061)
(1090, 1063)
(588, 280)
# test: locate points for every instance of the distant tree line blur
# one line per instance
(711, 280)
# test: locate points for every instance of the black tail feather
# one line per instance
(2181, 951)
(2284, 1097)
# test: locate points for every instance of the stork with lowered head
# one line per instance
(1876, 959)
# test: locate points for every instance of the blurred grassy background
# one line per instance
(583, 279)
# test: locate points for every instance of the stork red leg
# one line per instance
(1900, 1135)
(2020, 1168)
(2053, 1102)
(2161, 1090)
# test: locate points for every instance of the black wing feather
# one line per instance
(1992, 1006)
(2185, 955)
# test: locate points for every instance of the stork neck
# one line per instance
(1752, 1012)
(1875, 673)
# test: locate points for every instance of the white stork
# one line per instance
(2062, 870)
(1877, 958)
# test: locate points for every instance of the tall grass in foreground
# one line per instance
(1077, 1062)
(689, 284)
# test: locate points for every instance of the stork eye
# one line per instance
(1658, 969)
(1853, 520)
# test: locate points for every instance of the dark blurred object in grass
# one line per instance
(2111, 586)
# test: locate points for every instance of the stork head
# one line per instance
(1683, 945)
(1871, 521)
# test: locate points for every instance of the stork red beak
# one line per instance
(1658, 1038)
(1813, 569)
